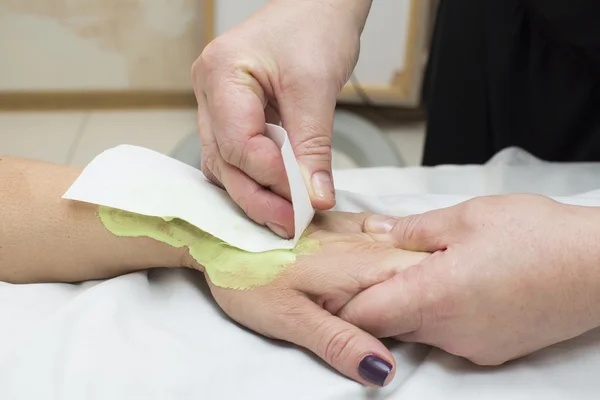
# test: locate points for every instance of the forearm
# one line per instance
(44, 238)
(356, 11)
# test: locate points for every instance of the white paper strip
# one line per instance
(142, 181)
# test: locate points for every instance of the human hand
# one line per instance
(300, 304)
(286, 63)
(509, 275)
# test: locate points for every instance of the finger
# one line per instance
(348, 349)
(430, 232)
(307, 114)
(370, 265)
(237, 108)
(295, 318)
(209, 159)
(390, 308)
(261, 205)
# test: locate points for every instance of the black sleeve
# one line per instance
(574, 22)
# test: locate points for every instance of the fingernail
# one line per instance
(278, 229)
(379, 224)
(322, 185)
(374, 370)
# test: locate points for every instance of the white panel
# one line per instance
(229, 13)
(383, 42)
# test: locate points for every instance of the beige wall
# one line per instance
(70, 45)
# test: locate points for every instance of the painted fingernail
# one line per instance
(278, 229)
(374, 370)
(322, 185)
(379, 224)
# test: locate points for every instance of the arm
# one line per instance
(44, 238)
(356, 11)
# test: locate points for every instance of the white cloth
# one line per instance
(159, 335)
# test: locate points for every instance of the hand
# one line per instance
(286, 63)
(299, 306)
(509, 275)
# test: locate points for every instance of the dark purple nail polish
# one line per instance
(374, 369)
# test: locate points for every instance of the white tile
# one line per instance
(159, 130)
(46, 136)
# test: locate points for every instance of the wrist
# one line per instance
(148, 253)
(355, 11)
(141, 241)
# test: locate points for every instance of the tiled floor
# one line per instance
(74, 138)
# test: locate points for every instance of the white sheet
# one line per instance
(160, 336)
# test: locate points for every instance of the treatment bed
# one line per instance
(159, 335)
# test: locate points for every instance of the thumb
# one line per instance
(390, 308)
(429, 232)
(348, 349)
(308, 118)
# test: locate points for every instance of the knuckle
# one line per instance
(233, 151)
(413, 228)
(316, 144)
(221, 58)
(210, 168)
(472, 212)
(208, 159)
(209, 56)
(337, 345)
(206, 170)
(286, 316)
(244, 200)
(195, 71)
(216, 58)
(254, 157)
(479, 206)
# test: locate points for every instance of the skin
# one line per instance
(509, 275)
(286, 63)
(44, 238)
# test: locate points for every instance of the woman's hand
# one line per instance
(286, 63)
(509, 275)
(299, 306)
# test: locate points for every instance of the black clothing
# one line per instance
(514, 73)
